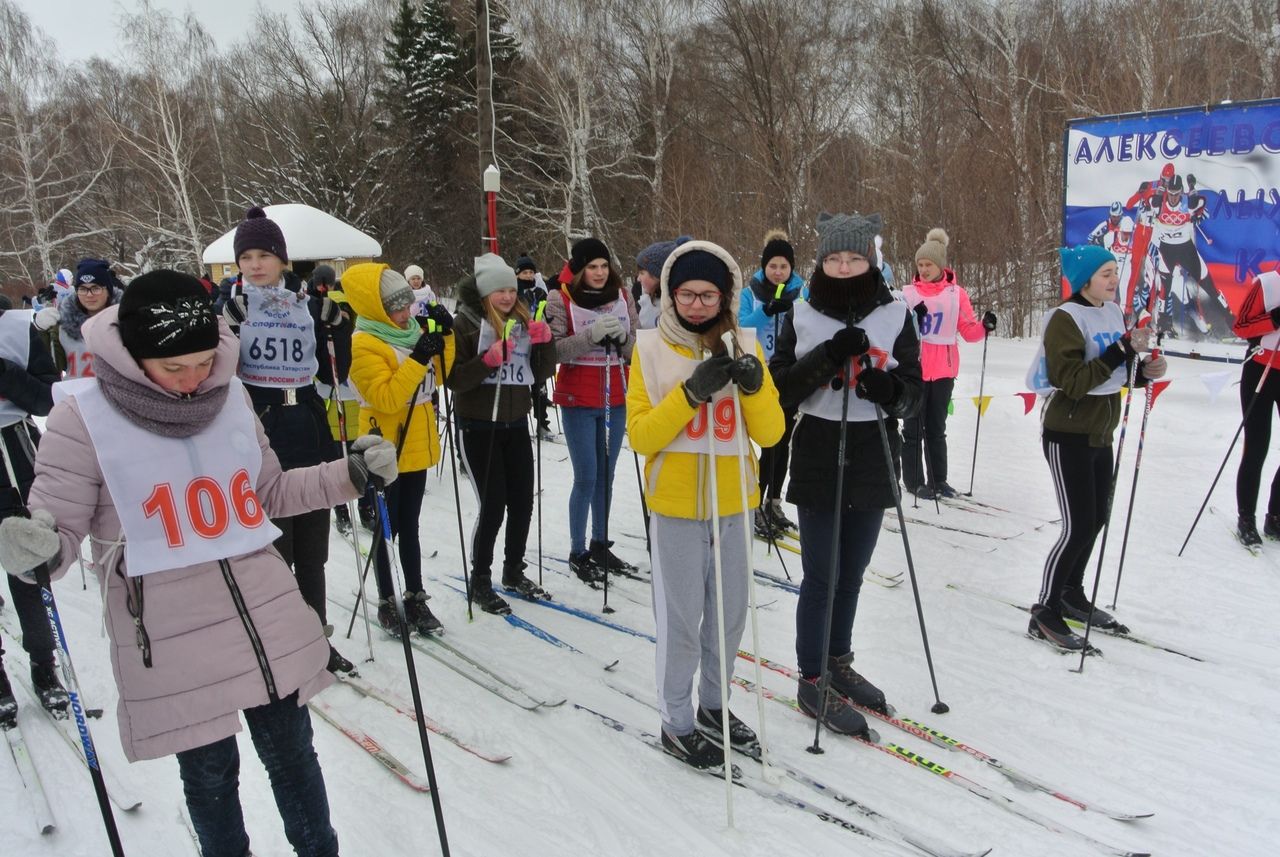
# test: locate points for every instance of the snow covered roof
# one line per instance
(310, 234)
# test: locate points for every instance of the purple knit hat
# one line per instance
(259, 232)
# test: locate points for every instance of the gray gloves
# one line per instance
(28, 543)
(710, 376)
(371, 455)
(605, 327)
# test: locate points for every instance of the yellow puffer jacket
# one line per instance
(677, 484)
(386, 380)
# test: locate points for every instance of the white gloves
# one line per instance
(372, 455)
(604, 327)
(46, 318)
(28, 543)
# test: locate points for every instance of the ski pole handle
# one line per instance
(778, 292)
(540, 311)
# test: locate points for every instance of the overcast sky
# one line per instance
(89, 27)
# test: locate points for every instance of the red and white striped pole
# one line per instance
(492, 185)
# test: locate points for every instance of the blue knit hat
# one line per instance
(1080, 262)
(653, 257)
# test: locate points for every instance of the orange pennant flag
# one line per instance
(1157, 388)
(1028, 402)
(982, 403)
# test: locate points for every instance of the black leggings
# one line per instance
(1082, 481)
(773, 461)
(931, 422)
(404, 505)
(1257, 437)
(304, 544)
(500, 461)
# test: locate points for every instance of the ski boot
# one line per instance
(483, 596)
(694, 750)
(1247, 533)
(741, 736)
(846, 681)
(1075, 605)
(945, 491)
(545, 432)
(779, 517)
(927, 493)
(585, 568)
(1271, 527)
(607, 559)
(342, 520)
(8, 705)
(514, 580)
(365, 510)
(764, 526)
(388, 619)
(837, 714)
(52, 695)
(419, 615)
(339, 664)
(1050, 627)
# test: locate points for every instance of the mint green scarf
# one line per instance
(400, 337)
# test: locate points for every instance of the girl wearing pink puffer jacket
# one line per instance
(942, 311)
(161, 462)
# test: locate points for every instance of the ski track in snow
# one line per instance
(1139, 730)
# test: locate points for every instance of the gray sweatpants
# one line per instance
(684, 606)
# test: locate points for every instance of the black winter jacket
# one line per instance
(29, 387)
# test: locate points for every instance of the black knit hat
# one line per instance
(98, 271)
(700, 265)
(259, 232)
(587, 250)
(526, 263)
(323, 275)
(166, 314)
(776, 244)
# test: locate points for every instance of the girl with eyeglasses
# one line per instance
(593, 322)
(96, 288)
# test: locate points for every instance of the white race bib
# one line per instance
(79, 357)
(1100, 327)
(194, 499)
(938, 325)
(582, 319)
(277, 339)
(15, 346)
(882, 326)
(665, 369)
(516, 369)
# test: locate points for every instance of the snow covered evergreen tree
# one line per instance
(423, 82)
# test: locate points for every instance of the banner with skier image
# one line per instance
(1188, 200)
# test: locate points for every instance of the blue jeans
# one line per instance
(859, 530)
(281, 734)
(584, 433)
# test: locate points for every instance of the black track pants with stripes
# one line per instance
(1082, 481)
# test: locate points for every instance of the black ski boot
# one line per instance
(483, 596)
(514, 580)
(365, 511)
(342, 520)
(741, 736)
(1049, 626)
(52, 695)
(1247, 533)
(1075, 605)
(846, 681)
(8, 705)
(606, 559)
(837, 714)
(1271, 527)
(694, 750)
(945, 491)
(419, 614)
(585, 568)
(339, 664)
(764, 526)
(927, 493)
(388, 619)
(779, 517)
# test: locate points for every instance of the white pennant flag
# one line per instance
(1216, 382)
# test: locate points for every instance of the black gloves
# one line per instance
(235, 310)
(1275, 316)
(876, 385)
(710, 376)
(330, 312)
(989, 321)
(847, 342)
(428, 346)
(778, 306)
(441, 316)
(747, 373)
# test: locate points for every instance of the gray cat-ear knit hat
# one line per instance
(853, 232)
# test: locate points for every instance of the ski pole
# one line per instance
(718, 564)
(457, 500)
(481, 481)
(740, 431)
(982, 382)
(1253, 400)
(77, 708)
(1106, 526)
(537, 316)
(351, 513)
(939, 707)
(644, 504)
(833, 565)
(384, 527)
(608, 370)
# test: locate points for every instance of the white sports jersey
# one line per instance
(882, 327)
(1100, 327)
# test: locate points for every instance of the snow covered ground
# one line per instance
(1140, 730)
